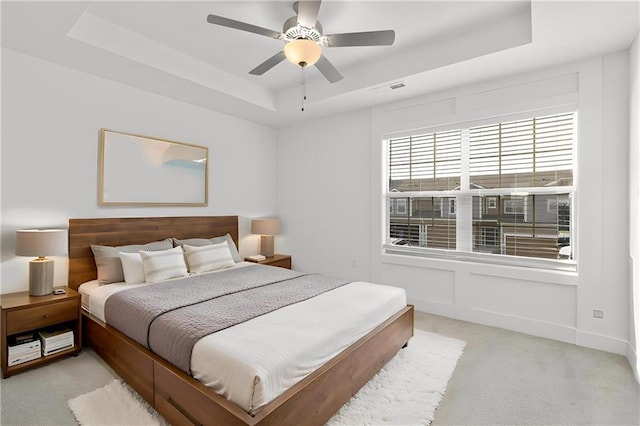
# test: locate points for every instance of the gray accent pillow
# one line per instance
(108, 260)
(199, 242)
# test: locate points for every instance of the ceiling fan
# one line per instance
(304, 39)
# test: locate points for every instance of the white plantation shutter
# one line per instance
(400, 159)
(554, 142)
(424, 162)
(525, 153)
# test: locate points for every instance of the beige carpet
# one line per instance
(406, 391)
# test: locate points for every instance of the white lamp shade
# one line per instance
(265, 226)
(41, 242)
(302, 52)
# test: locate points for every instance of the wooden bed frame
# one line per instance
(181, 399)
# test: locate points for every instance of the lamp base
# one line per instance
(40, 277)
(266, 245)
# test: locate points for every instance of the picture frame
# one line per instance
(138, 170)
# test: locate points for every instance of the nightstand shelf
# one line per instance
(15, 369)
(280, 260)
(22, 313)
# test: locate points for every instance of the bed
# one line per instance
(180, 398)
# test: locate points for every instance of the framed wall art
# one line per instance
(138, 170)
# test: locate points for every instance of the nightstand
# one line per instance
(280, 260)
(22, 313)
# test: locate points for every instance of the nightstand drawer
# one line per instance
(279, 260)
(284, 263)
(41, 316)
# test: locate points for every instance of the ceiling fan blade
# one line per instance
(308, 12)
(268, 64)
(328, 70)
(367, 38)
(243, 26)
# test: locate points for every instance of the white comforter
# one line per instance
(253, 362)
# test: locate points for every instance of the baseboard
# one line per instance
(632, 357)
(494, 319)
(601, 342)
(560, 332)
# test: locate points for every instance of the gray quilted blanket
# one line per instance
(170, 317)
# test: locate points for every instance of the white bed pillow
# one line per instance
(163, 265)
(132, 267)
(208, 258)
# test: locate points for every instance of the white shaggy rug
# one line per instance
(406, 391)
(114, 404)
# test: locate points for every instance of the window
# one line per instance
(489, 236)
(398, 206)
(422, 164)
(514, 206)
(402, 206)
(503, 189)
(452, 206)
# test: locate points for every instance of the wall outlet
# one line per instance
(597, 313)
(354, 264)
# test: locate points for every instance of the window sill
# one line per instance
(528, 273)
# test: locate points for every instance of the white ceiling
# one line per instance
(168, 47)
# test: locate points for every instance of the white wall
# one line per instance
(323, 174)
(51, 116)
(554, 305)
(634, 205)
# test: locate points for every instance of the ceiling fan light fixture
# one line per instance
(304, 38)
(302, 52)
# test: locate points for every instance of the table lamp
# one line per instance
(268, 228)
(41, 243)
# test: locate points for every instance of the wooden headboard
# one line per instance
(136, 230)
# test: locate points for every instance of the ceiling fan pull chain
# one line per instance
(304, 89)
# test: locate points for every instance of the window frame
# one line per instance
(490, 194)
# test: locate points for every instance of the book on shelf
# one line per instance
(55, 333)
(18, 339)
(19, 359)
(19, 353)
(24, 347)
(57, 343)
(53, 341)
(51, 351)
(56, 339)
